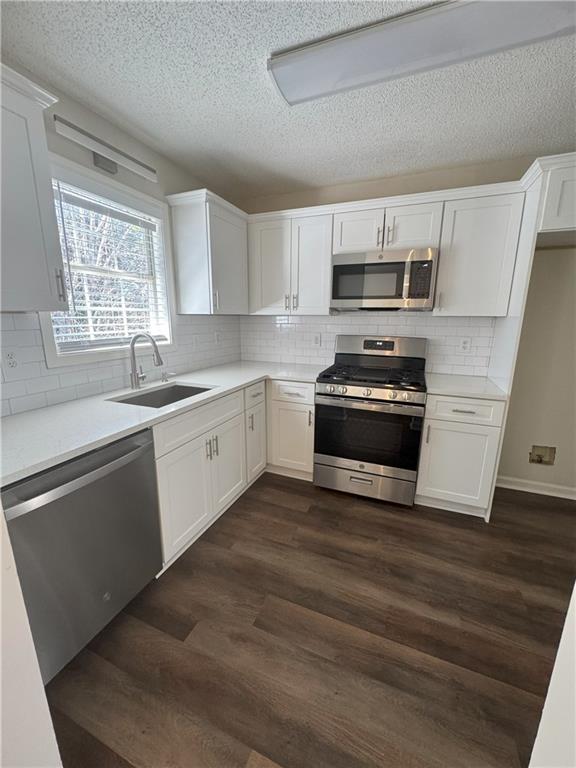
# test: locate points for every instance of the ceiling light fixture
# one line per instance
(423, 40)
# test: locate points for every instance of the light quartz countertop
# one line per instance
(463, 386)
(36, 440)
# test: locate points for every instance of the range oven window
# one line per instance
(374, 437)
(368, 281)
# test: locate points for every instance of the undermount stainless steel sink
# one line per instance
(158, 398)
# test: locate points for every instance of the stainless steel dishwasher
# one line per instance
(86, 540)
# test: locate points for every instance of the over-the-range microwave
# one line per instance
(386, 279)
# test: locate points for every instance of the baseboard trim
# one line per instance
(531, 486)
(297, 474)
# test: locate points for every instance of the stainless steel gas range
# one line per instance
(369, 417)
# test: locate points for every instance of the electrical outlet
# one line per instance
(465, 344)
(317, 339)
(11, 361)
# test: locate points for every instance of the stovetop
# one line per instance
(407, 379)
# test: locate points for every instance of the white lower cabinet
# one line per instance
(197, 481)
(228, 465)
(255, 441)
(185, 493)
(457, 462)
(291, 443)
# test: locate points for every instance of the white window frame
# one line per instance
(92, 182)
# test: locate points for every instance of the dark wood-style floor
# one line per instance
(310, 629)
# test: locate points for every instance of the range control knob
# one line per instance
(367, 392)
(406, 396)
(393, 395)
(342, 390)
(331, 388)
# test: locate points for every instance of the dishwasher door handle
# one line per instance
(28, 505)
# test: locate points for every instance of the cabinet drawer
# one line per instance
(466, 410)
(254, 394)
(292, 392)
(172, 433)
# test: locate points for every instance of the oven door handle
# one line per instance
(344, 402)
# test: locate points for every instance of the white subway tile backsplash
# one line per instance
(30, 384)
(284, 339)
(292, 339)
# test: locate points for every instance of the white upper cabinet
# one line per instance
(413, 226)
(32, 269)
(269, 266)
(358, 231)
(211, 254)
(477, 255)
(559, 209)
(290, 265)
(310, 269)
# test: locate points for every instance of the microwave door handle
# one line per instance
(406, 286)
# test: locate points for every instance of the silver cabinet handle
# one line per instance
(293, 394)
(389, 231)
(309, 418)
(251, 422)
(295, 301)
(256, 394)
(361, 480)
(215, 445)
(378, 231)
(217, 300)
(462, 410)
(287, 302)
(428, 434)
(209, 449)
(61, 285)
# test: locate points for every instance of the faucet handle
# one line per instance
(166, 376)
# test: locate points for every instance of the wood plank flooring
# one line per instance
(311, 629)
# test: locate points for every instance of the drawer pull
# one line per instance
(462, 410)
(428, 434)
(309, 418)
(256, 394)
(361, 480)
(293, 394)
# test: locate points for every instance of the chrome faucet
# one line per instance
(137, 376)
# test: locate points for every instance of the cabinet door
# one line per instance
(32, 270)
(228, 462)
(560, 200)
(457, 462)
(413, 226)
(291, 436)
(357, 231)
(269, 266)
(477, 255)
(256, 440)
(185, 493)
(229, 261)
(311, 258)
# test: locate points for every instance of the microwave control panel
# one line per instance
(420, 279)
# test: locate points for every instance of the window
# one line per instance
(114, 265)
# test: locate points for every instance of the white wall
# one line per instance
(555, 745)
(28, 739)
(293, 339)
(543, 400)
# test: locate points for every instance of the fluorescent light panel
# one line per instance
(417, 42)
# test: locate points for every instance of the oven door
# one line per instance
(384, 280)
(378, 438)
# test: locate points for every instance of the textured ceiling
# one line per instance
(190, 79)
